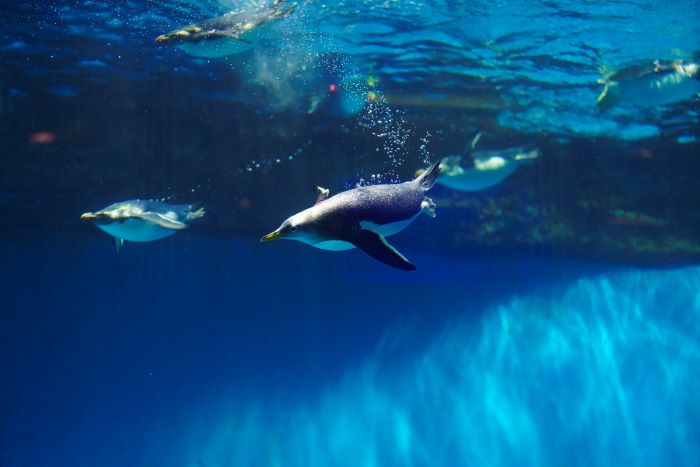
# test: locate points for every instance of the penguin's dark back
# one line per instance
(380, 204)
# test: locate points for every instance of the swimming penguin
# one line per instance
(362, 217)
(232, 33)
(143, 220)
(479, 170)
(650, 86)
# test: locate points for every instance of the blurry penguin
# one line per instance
(232, 33)
(650, 85)
(143, 220)
(480, 170)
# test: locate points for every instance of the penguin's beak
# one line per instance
(161, 38)
(88, 215)
(271, 236)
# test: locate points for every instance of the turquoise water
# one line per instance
(552, 318)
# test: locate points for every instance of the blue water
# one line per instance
(542, 60)
(222, 352)
(211, 349)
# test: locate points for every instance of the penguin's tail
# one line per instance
(428, 178)
(195, 211)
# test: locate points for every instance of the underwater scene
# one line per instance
(349, 233)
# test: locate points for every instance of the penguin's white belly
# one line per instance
(384, 230)
(136, 230)
(666, 90)
(476, 180)
(334, 245)
(222, 47)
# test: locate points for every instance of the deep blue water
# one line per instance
(222, 352)
(531, 345)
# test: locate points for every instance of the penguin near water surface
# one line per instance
(232, 33)
(362, 217)
(650, 84)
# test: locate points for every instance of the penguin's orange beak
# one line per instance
(88, 215)
(271, 236)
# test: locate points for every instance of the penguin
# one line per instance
(362, 217)
(650, 85)
(143, 220)
(480, 170)
(232, 33)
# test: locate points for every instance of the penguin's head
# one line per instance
(101, 217)
(115, 213)
(295, 228)
(180, 36)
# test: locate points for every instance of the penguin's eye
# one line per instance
(292, 228)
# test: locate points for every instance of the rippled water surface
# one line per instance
(537, 62)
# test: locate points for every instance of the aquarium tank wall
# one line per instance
(349, 233)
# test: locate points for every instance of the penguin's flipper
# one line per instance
(163, 221)
(118, 243)
(472, 145)
(600, 101)
(378, 248)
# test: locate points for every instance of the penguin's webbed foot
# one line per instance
(322, 194)
(428, 206)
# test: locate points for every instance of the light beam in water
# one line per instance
(601, 373)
